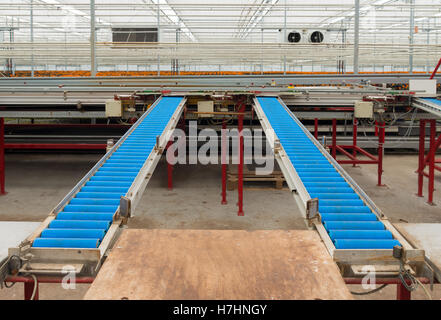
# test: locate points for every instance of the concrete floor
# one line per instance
(37, 182)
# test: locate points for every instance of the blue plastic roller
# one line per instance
(120, 190)
(334, 196)
(365, 244)
(348, 217)
(65, 243)
(343, 209)
(98, 195)
(354, 225)
(95, 202)
(85, 216)
(74, 233)
(341, 202)
(360, 234)
(90, 208)
(79, 224)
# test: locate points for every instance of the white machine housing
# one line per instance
(427, 87)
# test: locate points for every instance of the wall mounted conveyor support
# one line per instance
(430, 105)
(82, 227)
(352, 227)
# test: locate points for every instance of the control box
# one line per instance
(363, 110)
(205, 106)
(114, 109)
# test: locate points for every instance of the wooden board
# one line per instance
(218, 264)
(426, 236)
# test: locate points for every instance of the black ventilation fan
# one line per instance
(316, 37)
(294, 37)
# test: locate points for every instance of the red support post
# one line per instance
(224, 162)
(241, 160)
(381, 139)
(334, 138)
(29, 289)
(2, 157)
(354, 140)
(436, 69)
(432, 154)
(402, 292)
(421, 157)
(316, 128)
(376, 128)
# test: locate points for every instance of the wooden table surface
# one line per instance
(218, 264)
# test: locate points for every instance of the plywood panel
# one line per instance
(219, 264)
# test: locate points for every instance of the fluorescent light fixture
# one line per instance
(380, 2)
(174, 18)
(72, 10)
(263, 10)
(336, 20)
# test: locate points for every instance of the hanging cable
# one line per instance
(370, 292)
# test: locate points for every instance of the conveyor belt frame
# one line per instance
(92, 258)
(300, 194)
(427, 106)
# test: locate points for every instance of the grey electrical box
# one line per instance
(364, 109)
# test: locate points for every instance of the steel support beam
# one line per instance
(356, 35)
(32, 35)
(92, 39)
(411, 34)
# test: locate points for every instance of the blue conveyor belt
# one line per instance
(433, 100)
(350, 223)
(84, 221)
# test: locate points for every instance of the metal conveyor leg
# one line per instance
(169, 171)
(240, 169)
(381, 139)
(224, 162)
(2, 156)
(402, 292)
(354, 140)
(421, 164)
(29, 289)
(334, 138)
(432, 160)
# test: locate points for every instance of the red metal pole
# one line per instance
(29, 289)
(2, 156)
(240, 168)
(316, 128)
(432, 160)
(376, 128)
(224, 162)
(55, 146)
(381, 139)
(29, 283)
(436, 69)
(421, 160)
(402, 292)
(354, 140)
(334, 138)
